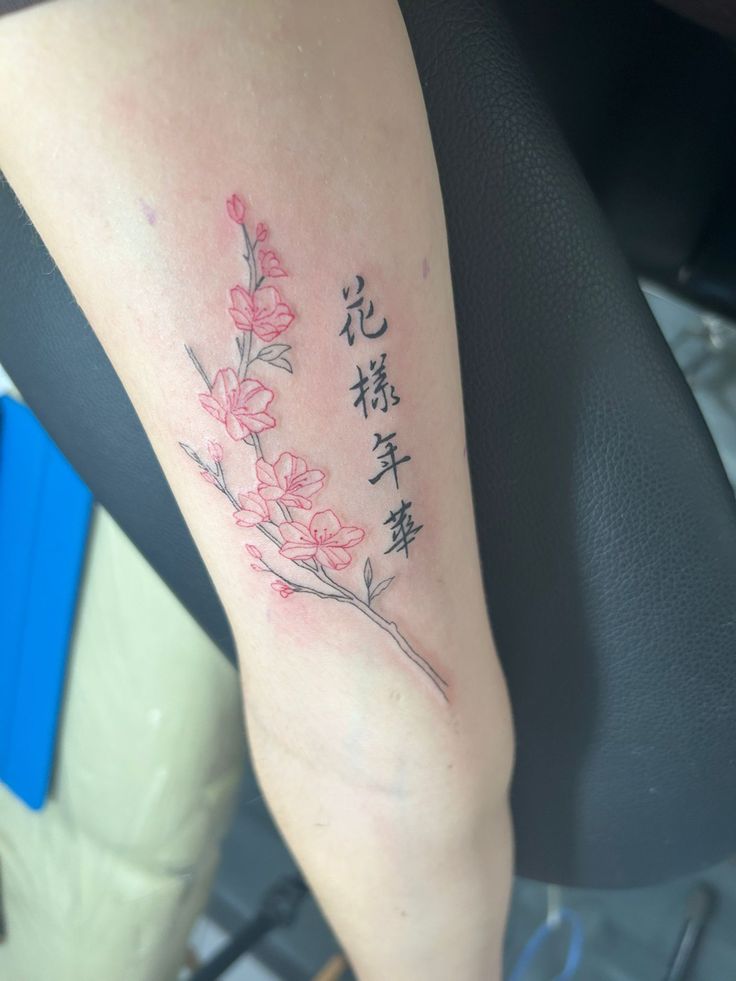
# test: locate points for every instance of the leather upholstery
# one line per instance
(606, 524)
(719, 15)
(647, 103)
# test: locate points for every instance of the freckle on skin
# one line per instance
(425, 267)
(149, 213)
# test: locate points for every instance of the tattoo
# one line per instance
(302, 552)
(382, 393)
(403, 529)
(377, 392)
(357, 311)
(390, 463)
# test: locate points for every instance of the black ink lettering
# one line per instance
(361, 313)
(403, 529)
(389, 461)
(384, 393)
(361, 388)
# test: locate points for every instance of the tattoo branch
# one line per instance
(312, 546)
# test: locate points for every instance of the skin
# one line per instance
(123, 129)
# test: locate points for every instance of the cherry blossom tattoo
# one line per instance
(302, 548)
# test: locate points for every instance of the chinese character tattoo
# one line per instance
(375, 391)
(390, 463)
(356, 310)
(402, 527)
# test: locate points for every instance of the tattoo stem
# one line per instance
(298, 587)
(250, 258)
(390, 627)
(245, 355)
(245, 350)
(225, 489)
(269, 535)
(199, 367)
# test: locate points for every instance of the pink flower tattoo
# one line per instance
(215, 450)
(289, 481)
(236, 208)
(326, 540)
(282, 588)
(263, 312)
(270, 264)
(239, 405)
(252, 510)
(302, 557)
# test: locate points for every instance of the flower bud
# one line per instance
(282, 588)
(236, 208)
(215, 450)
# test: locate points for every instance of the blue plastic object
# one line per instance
(44, 520)
(538, 939)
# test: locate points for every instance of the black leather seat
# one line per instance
(606, 523)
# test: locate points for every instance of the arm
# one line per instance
(310, 424)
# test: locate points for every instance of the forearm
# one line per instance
(378, 723)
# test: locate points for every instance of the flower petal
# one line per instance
(258, 422)
(214, 408)
(347, 536)
(267, 298)
(265, 472)
(295, 531)
(293, 500)
(324, 525)
(270, 264)
(297, 550)
(267, 331)
(224, 384)
(253, 396)
(270, 493)
(242, 309)
(285, 468)
(333, 557)
(283, 316)
(308, 483)
(235, 428)
(253, 509)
